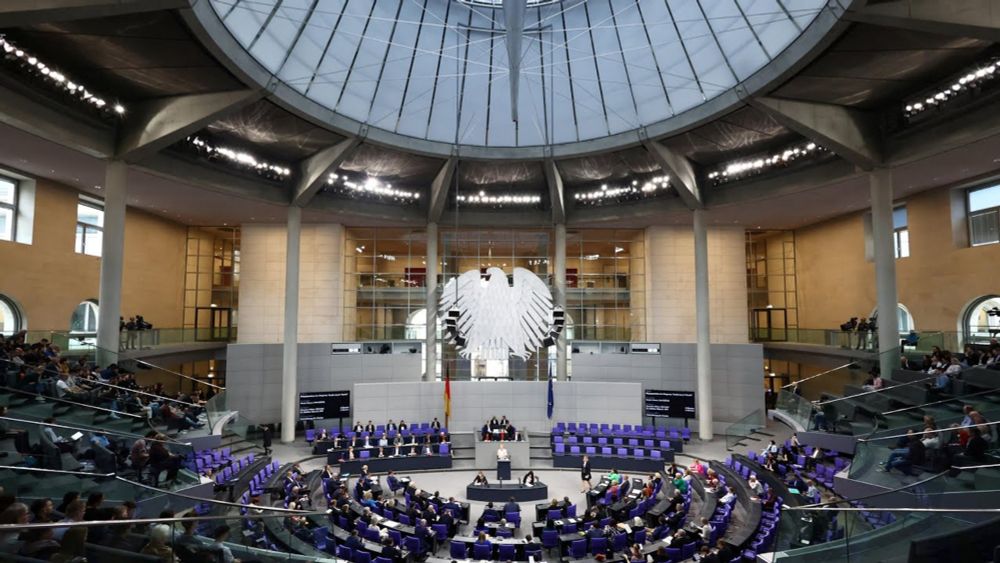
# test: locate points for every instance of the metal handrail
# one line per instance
(113, 523)
(60, 471)
(874, 391)
(922, 432)
(960, 398)
(127, 390)
(61, 400)
(92, 430)
(831, 370)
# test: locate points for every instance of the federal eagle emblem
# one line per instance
(487, 315)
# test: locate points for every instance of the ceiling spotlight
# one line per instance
(119, 109)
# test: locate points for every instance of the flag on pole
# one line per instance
(552, 397)
(447, 396)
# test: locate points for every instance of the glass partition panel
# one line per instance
(743, 427)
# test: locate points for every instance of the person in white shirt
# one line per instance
(502, 454)
(954, 368)
(705, 529)
(383, 441)
(729, 497)
(755, 485)
(771, 448)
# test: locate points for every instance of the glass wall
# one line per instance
(211, 282)
(385, 295)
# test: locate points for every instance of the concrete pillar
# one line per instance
(704, 349)
(430, 342)
(290, 363)
(559, 287)
(880, 182)
(112, 262)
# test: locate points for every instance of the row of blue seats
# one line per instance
(621, 430)
(640, 453)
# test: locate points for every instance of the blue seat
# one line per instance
(687, 551)
(345, 553)
(599, 545)
(413, 545)
(619, 543)
(310, 436)
(458, 550)
(674, 553)
(319, 537)
(550, 539)
(553, 514)
(571, 511)
(505, 552)
(482, 551)
(383, 560)
(362, 557)
(578, 549)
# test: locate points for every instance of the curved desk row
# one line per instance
(752, 508)
(644, 465)
(502, 493)
(386, 464)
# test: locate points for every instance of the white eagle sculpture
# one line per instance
(496, 319)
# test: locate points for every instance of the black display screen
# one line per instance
(672, 404)
(324, 404)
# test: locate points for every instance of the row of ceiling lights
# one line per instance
(370, 186)
(630, 191)
(743, 168)
(240, 158)
(972, 79)
(25, 60)
(499, 200)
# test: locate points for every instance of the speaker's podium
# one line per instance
(503, 470)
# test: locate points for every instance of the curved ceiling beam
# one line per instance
(22, 13)
(156, 124)
(963, 18)
(851, 134)
(682, 174)
(314, 170)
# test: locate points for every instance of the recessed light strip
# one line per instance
(743, 168)
(262, 167)
(974, 78)
(634, 190)
(370, 186)
(16, 55)
(500, 199)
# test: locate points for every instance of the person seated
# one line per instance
(480, 479)
(511, 506)
(389, 550)
(729, 496)
(874, 383)
(905, 458)
(529, 479)
(697, 467)
(486, 434)
(755, 486)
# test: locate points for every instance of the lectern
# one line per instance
(503, 470)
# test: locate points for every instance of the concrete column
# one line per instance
(702, 321)
(290, 364)
(112, 262)
(430, 342)
(559, 287)
(880, 182)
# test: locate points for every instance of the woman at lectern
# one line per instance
(480, 479)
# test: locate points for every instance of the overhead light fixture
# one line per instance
(591, 257)
(15, 55)
(239, 158)
(619, 249)
(499, 199)
(630, 190)
(369, 186)
(970, 81)
(360, 249)
(743, 168)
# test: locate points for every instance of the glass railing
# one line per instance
(865, 341)
(135, 339)
(737, 431)
(795, 406)
(864, 529)
(884, 460)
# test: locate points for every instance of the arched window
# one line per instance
(903, 318)
(981, 319)
(11, 319)
(84, 319)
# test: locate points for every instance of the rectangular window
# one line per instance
(8, 208)
(900, 232)
(89, 227)
(984, 215)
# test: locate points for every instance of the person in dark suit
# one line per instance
(266, 437)
(390, 426)
(585, 475)
(354, 541)
(402, 425)
(358, 427)
(530, 544)
(511, 506)
(370, 427)
(436, 424)
(389, 550)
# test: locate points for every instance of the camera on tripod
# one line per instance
(849, 325)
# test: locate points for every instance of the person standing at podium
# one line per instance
(502, 453)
